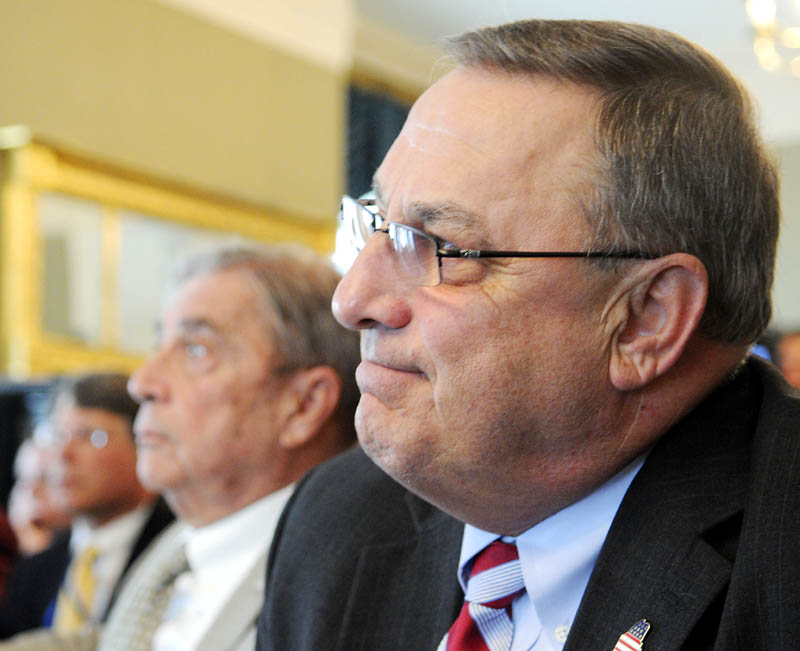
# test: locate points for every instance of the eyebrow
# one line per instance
(198, 325)
(447, 213)
(191, 325)
(443, 213)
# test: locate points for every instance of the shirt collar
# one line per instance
(110, 535)
(554, 542)
(236, 537)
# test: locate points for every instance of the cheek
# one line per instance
(123, 463)
(470, 359)
(229, 430)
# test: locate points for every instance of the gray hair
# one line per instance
(680, 164)
(297, 286)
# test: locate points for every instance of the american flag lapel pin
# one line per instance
(632, 639)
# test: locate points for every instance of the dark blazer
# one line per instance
(34, 581)
(705, 545)
(8, 549)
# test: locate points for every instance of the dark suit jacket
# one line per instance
(8, 550)
(34, 580)
(705, 545)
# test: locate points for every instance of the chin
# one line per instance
(151, 476)
(404, 466)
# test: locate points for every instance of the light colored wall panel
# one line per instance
(148, 86)
(787, 280)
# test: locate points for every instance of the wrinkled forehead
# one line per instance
(215, 301)
(501, 146)
(497, 116)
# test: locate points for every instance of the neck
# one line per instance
(101, 516)
(201, 506)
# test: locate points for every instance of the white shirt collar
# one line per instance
(221, 555)
(112, 534)
(238, 538)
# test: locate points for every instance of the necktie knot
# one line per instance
(496, 576)
(495, 580)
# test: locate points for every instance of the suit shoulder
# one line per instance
(349, 493)
(31, 585)
(352, 475)
(54, 558)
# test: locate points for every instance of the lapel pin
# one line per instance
(632, 639)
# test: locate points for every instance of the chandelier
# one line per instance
(777, 34)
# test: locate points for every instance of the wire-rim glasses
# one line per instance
(420, 254)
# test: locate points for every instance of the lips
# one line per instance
(391, 365)
(149, 438)
(389, 384)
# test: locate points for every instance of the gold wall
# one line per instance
(144, 85)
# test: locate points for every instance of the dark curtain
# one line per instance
(21, 405)
(374, 120)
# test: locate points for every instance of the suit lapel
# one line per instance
(406, 589)
(668, 555)
(235, 623)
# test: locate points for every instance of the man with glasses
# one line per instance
(73, 582)
(568, 253)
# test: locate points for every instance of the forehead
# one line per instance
(486, 139)
(68, 414)
(221, 301)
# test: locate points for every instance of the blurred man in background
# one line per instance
(73, 582)
(33, 507)
(250, 386)
(789, 357)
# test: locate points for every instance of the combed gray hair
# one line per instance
(297, 286)
(680, 164)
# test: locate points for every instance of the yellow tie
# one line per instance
(74, 604)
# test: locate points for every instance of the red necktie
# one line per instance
(484, 622)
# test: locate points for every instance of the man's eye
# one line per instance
(196, 350)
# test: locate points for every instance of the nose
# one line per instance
(371, 293)
(147, 382)
(64, 448)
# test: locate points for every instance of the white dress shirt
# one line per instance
(113, 542)
(557, 555)
(220, 555)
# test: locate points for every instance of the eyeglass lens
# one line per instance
(359, 220)
(416, 251)
(417, 254)
(97, 438)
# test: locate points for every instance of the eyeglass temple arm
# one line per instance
(471, 253)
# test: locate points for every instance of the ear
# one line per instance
(661, 310)
(314, 394)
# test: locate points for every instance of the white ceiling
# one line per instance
(721, 26)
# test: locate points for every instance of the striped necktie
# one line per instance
(76, 596)
(140, 608)
(484, 622)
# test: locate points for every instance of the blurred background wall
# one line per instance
(151, 87)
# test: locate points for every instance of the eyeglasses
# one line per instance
(97, 438)
(420, 254)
